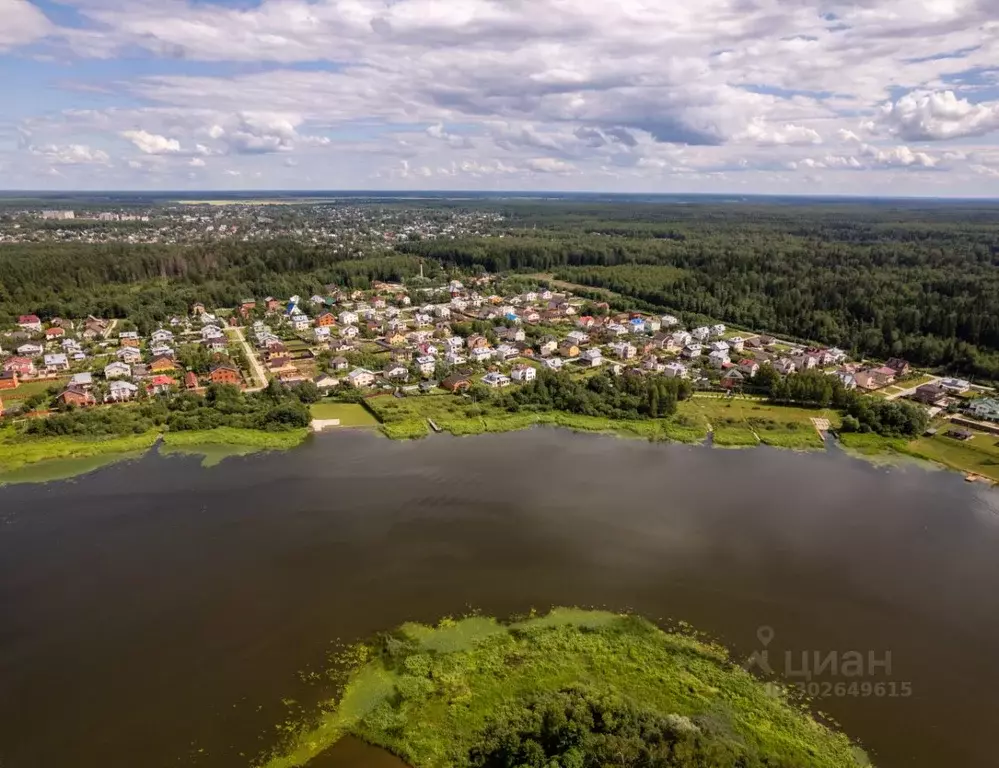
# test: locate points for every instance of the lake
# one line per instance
(156, 613)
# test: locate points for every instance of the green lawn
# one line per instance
(350, 414)
(27, 389)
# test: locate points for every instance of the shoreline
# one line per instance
(47, 459)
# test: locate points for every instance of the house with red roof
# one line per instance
(30, 323)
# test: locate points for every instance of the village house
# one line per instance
(929, 394)
(578, 337)
(325, 320)
(360, 377)
(653, 364)
(30, 350)
(57, 362)
(866, 380)
(592, 358)
(616, 329)
(325, 382)
(511, 334)
(395, 372)
(737, 343)
(553, 363)
(395, 339)
(129, 355)
(197, 308)
(718, 346)
(300, 322)
(900, 366)
(9, 380)
(507, 352)
(321, 334)
(523, 373)
(702, 333)
(30, 323)
(847, 378)
(883, 375)
(225, 374)
(955, 386)
(691, 351)
(75, 397)
(675, 370)
(82, 380)
(348, 318)
(161, 364)
(456, 382)
(453, 358)
(22, 366)
(784, 366)
(191, 380)
(212, 345)
(733, 379)
(161, 336)
(52, 334)
(159, 385)
(623, 350)
(547, 346)
(349, 332)
(568, 350)
(496, 380)
(426, 364)
(637, 325)
(481, 354)
(121, 391)
(986, 408)
(339, 364)
(718, 359)
(749, 367)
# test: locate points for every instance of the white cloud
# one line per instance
(151, 143)
(71, 154)
(549, 165)
(197, 162)
(21, 23)
(925, 116)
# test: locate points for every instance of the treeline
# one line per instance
(615, 397)
(916, 283)
(274, 409)
(150, 283)
(863, 413)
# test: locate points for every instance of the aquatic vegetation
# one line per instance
(216, 445)
(468, 692)
(17, 451)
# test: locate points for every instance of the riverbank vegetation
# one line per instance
(572, 688)
(17, 452)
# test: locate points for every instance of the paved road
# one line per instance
(251, 355)
(912, 390)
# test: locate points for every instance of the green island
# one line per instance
(570, 688)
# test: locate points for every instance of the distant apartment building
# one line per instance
(58, 215)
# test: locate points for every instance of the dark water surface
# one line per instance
(155, 613)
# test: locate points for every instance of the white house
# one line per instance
(524, 373)
(29, 350)
(578, 337)
(668, 321)
(161, 336)
(85, 379)
(702, 333)
(623, 350)
(454, 342)
(616, 329)
(506, 352)
(637, 325)
(691, 351)
(719, 359)
(348, 318)
(57, 362)
(718, 330)
(210, 332)
(129, 355)
(452, 358)
(426, 364)
(955, 386)
(682, 338)
(718, 346)
(592, 357)
(321, 333)
(553, 363)
(496, 380)
(442, 311)
(548, 346)
(737, 343)
(300, 322)
(360, 377)
(349, 332)
(675, 370)
(117, 370)
(481, 354)
(396, 372)
(121, 391)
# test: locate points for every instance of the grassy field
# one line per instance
(27, 389)
(744, 421)
(979, 455)
(430, 694)
(350, 414)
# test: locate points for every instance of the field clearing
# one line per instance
(29, 388)
(735, 420)
(349, 414)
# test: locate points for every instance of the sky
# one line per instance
(872, 97)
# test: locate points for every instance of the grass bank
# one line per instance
(215, 445)
(17, 451)
(434, 696)
(349, 414)
(978, 456)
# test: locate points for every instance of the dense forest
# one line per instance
(150, 283)
(919, 284)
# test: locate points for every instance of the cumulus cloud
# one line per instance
(549, 165)
(932, 116)
(151, 143)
